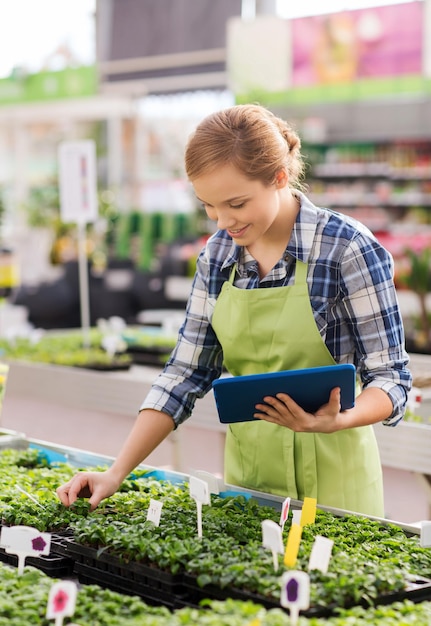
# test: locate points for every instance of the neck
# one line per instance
(269, 249)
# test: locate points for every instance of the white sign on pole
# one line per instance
(252, 47)
(78, 181)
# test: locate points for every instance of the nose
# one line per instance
(224, 220)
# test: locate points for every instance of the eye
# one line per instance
(237, 206)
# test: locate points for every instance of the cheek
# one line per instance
(211, 213)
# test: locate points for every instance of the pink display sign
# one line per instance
(350, 45)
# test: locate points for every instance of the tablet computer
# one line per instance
(236, 396)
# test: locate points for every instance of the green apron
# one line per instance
(265, 330)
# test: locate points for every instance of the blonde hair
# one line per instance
(249, 137)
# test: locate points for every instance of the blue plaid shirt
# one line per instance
(352, 294)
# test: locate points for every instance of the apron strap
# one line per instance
(300, 272)
(232, 273)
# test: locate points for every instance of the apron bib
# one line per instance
(266, 330)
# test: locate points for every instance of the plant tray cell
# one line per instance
(212, 592)
(94, 576)
(132, 571)
(60, 544)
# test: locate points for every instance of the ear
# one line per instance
(281, 179)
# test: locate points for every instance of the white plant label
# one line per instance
(61, 601)
(284, 512)
(24, 541)
(320, 554)
(199, 491)
(295, 593)
(296, 516)
(154, 511)
(211, 479)
(425, 540)
(272, 539)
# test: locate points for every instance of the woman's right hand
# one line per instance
(93, 485)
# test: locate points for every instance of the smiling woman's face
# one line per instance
(246, 209)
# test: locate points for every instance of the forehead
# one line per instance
(223, 183)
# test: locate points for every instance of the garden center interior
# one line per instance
(107, 291)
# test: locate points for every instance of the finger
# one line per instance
(271, 405)
(266, 417)
(63, 494)
(268, 413)
(79, 488)
(95, 499)
(335, 397)
(264, 411)
(263, 408)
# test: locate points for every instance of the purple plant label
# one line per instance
(292, 590)
(38, 544)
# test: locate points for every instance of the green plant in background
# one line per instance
(43, 211)
(418, 280)
(64, 349)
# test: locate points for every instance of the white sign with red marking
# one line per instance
(78, 181)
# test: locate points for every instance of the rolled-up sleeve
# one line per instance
(372, 311)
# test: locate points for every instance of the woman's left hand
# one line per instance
(284, 411)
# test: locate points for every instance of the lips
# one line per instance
(235, 234)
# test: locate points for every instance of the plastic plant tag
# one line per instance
(32, 498)
(284, 512)
(308, 515)
(296, 516)
(295, 593)
(61, 601)
(425, 540)
(292, 545)
(272, 539)
(24, 541)
(154, 511)
(320, 554)
(112, 344)
(4, 370)
(211, 479)
(200, 493)
(199, 490)
(78, 181)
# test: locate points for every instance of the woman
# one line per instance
(282, 284)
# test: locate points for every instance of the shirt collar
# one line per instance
(304, 229)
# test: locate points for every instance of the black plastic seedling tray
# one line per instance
(416, 591)
(51, 564)
(132, 577)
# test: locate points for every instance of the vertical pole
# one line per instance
(83, 285)
(248, 9)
